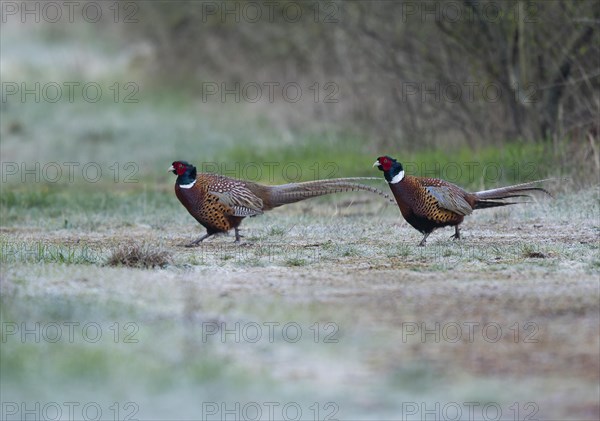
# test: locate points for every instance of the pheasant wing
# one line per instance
(241, 201)
(449, 199)
(237, 196)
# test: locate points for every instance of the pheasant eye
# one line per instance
(386, 164)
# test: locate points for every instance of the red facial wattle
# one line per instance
(179, 168)
(386, 163)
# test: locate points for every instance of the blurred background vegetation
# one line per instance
(509, 82)
(542, 56)
(418, 80)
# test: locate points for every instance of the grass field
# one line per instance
(508, 314)
(328, 310)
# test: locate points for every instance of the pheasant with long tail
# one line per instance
(220, 203)
(431, 203)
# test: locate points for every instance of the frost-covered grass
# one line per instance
(350, 278)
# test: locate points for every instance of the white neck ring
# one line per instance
(398, 177)
(187, 186)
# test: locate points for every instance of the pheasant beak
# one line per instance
(171, 169)
(376, 164)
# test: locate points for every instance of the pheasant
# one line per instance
(431, 203)
(220, 203)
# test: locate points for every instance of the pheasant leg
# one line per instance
(238, 237)
(422, 243)
(198, 240)
(456, 235)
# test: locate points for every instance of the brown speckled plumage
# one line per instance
(220, 203)
(419, 205)
(431, 203)
(202, 201)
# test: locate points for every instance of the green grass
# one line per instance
(277, 231)
(81, 206)
(336, 156)
(43, 252)
(295, 261)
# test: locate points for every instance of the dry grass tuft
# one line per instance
(531, 252)
(535, 255)
(139, 256)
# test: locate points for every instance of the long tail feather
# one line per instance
(492, 198)
(295, 192)
(482, 204)
(513, 191)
